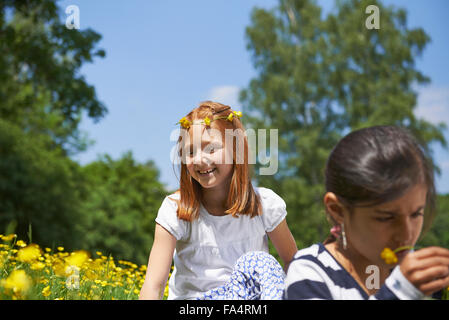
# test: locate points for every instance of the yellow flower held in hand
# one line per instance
(389, 256)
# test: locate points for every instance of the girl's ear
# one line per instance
(334, 207)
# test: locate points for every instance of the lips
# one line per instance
(207, 171)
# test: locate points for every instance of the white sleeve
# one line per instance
(401, 287)
(273, 209)
(167, 218)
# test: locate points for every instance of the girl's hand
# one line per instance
(427, 269)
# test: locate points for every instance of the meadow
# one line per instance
(28, 271)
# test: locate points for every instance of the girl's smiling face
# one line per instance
(208, 160)
(392, 224)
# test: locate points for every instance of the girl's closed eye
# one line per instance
(390, 217)
(384, 218)
(418, 214)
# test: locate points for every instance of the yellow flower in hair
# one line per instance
(207, 121)
(231, 115)
(184, 122)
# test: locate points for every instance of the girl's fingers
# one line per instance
(430, 274)
(431, 261)
(434, 286)
(430, 252)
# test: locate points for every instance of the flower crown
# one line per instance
(185, 123)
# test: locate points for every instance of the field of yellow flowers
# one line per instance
(30, 272)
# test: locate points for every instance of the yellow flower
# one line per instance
(38, 266)
(60, 248)
(46, 291)
(9, 237)
(207, 121)
(29, 254)
(77, 258)
(184, 122)
(238, 113)
(230, 117)
(21, 243)
(59, 268)
(18, 281)
(389, 256)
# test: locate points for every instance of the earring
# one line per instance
(343, 236)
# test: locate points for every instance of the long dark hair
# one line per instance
(378, 164)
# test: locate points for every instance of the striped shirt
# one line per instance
(315, 274)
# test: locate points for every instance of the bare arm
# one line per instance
(159, 265)
(284, 242)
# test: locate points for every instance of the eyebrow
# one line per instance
(395, 213)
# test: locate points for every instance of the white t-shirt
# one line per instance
(208, 247)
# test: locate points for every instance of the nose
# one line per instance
(201, 157)
(404, 231)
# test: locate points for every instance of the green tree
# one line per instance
(319, 77)
(42, 97)
(438, 234)
(123, 200)
(41, 88)
(39, 187)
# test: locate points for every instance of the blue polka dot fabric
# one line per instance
(256, 276)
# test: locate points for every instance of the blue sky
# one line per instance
(163, 57)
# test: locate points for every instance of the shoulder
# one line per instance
(308, 274)
(269, 198)
(174, 197)
(273, 208)
(171, 201)
(316, 256)
(167, 216)
(314, 260)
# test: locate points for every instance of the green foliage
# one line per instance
(122, 203)
(320, 77)
(39, 186)
(41, 89)
(107, 205)
(438, 234)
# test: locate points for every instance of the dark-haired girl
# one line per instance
(380, 194)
